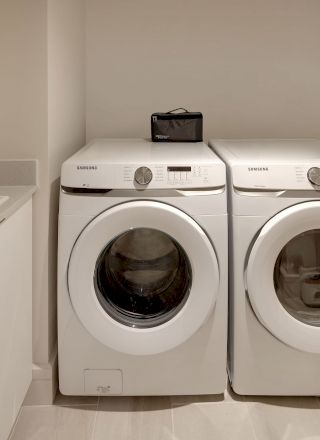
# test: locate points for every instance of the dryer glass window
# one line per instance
(143, 278)
(297, 277)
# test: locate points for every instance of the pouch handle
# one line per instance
(179, 108)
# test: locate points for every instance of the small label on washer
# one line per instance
(102, 382)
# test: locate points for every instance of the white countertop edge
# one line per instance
(18, 196)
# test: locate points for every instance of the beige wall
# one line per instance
(42, 115)
(66, 75)
(23, 122)
(23, 68)
(252, 66)
(66, 117)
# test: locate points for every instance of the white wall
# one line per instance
(24, 121)
(66, 117)
(252, 66)
(42, 116)
(23, 102)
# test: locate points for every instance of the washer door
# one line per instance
(283, 276)
(143, 277)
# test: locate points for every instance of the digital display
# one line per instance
(177, 169)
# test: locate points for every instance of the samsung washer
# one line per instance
(142, 277)
(274, 338)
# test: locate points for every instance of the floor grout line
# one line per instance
(15, 423)
(251, 420)
(65, 405)
(95, 419)
(172, 421)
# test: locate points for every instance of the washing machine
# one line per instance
(142, 270)
(274, 334)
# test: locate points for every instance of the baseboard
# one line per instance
(43, 388)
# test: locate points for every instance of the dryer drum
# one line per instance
(297, 277)
(143, 278)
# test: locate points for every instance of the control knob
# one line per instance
(314, 176)
(143, 175)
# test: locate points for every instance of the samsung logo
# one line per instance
(258, 169)
(87, 167)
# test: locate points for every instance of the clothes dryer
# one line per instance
(274, 333)
(142, 277)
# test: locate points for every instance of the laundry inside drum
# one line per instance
(143, 277)
(297, 277)
(144, 261)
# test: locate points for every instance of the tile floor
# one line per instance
(223, 417)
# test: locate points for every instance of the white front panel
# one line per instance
(204, 352)
(111, 237)
(15, 314)
(261, 175)
(121, 176)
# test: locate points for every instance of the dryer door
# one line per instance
(283, 276)
(143, 277)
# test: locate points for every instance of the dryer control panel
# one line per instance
(273, 176)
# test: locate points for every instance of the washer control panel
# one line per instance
(140, 164)
(173, 176)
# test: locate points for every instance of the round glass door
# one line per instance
(297, 277)
(143, 278)
(283, 276)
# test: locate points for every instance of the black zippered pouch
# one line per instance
(177, 127)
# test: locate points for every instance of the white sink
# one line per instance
(3, 199)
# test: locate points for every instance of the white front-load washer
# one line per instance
(274, 335)
(142, 270)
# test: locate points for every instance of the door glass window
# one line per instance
(297, 277)
(143, 278)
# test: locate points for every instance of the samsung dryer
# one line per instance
(142, 270)
(274, 346)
